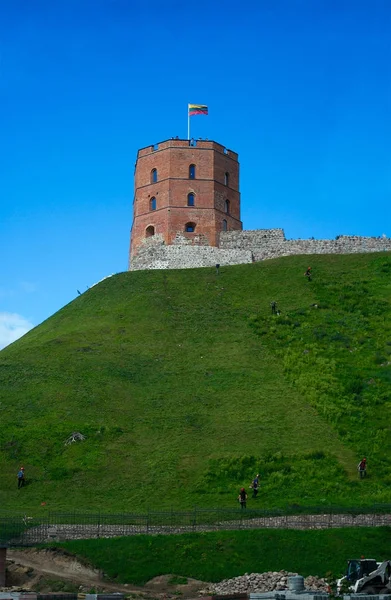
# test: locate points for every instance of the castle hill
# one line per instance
(204, 389)
(195, 300)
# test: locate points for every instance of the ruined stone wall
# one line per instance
(239, 247)
(251, 239)
(271, 243)
(155, 254)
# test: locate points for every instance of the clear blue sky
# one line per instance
(300, 88)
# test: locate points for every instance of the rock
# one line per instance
(262, 582)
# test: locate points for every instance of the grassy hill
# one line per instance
(185, 385)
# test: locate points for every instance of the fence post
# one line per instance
(3, 556)
(46, 523)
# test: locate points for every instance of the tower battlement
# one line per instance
(193, 143)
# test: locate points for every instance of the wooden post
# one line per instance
(3, 556)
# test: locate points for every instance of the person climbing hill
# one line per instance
(243, 498)
(21, 478)
(308, 273)
(362, 468)
(255, 486)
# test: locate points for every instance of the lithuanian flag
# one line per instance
(197, 109)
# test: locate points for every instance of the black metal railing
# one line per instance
(25, 529)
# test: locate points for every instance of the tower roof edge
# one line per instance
(194, 144)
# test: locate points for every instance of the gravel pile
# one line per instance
(262, 582)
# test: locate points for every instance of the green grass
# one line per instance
(219, 555)
(185, 386)
(56, 585)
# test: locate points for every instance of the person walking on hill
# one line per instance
(243, 498)
(308, 273)
(274, 307)
(362, 468)
(255, 485)
(20, 476)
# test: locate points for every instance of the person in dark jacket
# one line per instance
(362, 468)
(20, 476)
(255, 486)
(243, 498)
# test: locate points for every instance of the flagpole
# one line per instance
(188, 123)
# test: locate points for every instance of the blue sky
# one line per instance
(300, 88)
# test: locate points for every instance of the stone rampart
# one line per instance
(342, 245)
(250, 239)
(239, 247)
(154, 254)
(271, 243)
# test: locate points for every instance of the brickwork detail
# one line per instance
(165, 177)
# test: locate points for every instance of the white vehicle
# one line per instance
(366, 575)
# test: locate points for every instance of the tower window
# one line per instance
(150, 231)
(192, 172)
(190, 227)
(152, 203)
(226, 207)
(225, 225)
(154, 176)
(226, 179)
(190, 199)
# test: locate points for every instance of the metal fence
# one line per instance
(29, 530)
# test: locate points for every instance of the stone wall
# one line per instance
(271, 243)
(239, 247)
(250, 239)
(155, 254)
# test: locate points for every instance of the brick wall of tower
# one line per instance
(172, 159)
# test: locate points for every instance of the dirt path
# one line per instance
(59, 565)
(29, 568)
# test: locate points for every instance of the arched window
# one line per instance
(226, 207)
(225, 225)
(154, 176)
(192, 171)
(152, 203)
(150, 231)
(226, 179)
(190, 199)
(190, 227)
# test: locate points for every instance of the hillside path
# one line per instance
(57, 565)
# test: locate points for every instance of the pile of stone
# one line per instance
(262, 582)
(316, 584)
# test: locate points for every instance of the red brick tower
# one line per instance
(187, 187)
